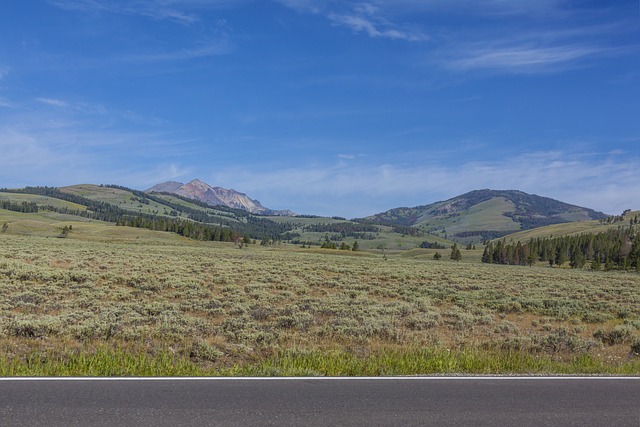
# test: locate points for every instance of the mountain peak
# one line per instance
(215, 196)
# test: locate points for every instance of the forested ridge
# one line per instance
(617, 248)
(197, 225)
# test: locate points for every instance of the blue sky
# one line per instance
(326, 106)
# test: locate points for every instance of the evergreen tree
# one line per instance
(487, 255)
(577, 259)
(456, 255)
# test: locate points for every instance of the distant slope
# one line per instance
(215, 196)
(573, 228)
(485, 214)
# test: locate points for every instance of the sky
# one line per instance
(326, 107)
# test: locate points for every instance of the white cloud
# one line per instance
(360, 17)
(4, 71)
(178, 11)
(521, 58)
(4, 103)
(215, 48)
(305, 6)
(354, 189)
(51, 101)
(475, 7)
(86, 143)
(150, 9)
(376, 28)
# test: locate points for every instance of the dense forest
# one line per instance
(617, 248)
(23, 207)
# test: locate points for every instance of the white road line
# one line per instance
(412, 378)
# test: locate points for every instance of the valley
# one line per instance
(86, 296)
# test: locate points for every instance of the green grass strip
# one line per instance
(108, 362)
(431, 362)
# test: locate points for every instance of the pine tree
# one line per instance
(456, 255)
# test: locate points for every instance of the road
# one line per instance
(322, 402)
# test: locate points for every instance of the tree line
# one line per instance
(617, 248)
(345, 229)
(24, 207)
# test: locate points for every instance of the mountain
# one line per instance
(485, 214)
(166, 187)
(216, 196)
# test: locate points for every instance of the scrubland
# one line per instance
(85, 305)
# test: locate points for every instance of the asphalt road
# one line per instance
(322, 402)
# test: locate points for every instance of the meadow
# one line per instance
(112, 300)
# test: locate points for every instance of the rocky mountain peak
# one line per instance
(215, 196)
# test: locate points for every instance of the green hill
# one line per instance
(485, 214)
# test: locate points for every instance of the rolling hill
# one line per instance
(485, 214)
(470, 218)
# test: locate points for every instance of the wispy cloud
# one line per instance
(215, 48)
(150, 9)
(210, 38)
(521, 58)
(476, 7)
(306, 6)
(375, 27)
(4, 103)
(52, 102)
(360, 17)
(62, 153)
(353, 189)
(4, 71)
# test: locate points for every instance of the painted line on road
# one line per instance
(412, 378)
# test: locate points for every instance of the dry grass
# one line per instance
(224, 308)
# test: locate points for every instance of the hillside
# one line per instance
(201, 221)
(485, 214)
(128, 207)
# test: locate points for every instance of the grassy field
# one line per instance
(112, 300)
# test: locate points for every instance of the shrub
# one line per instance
(202, 350)
(618, 335)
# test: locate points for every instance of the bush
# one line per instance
(202, 350)
(618, 335)
(635, 346)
